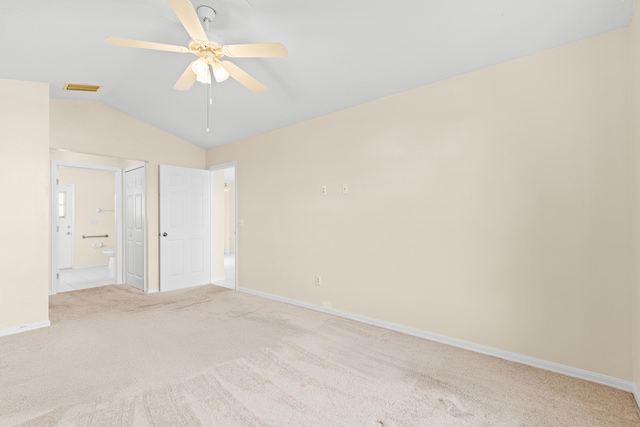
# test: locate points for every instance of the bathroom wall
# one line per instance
(92, 189)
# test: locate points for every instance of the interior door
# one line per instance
(65, 226)
(185, 227)
(134, 227)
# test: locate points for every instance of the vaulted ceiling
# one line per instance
(341, 53)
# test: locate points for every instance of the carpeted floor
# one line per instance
(207, 356)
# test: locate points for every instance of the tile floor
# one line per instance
(229, 271)
(74, 279)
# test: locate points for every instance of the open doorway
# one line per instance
(86, 226)
(224, 247)
(88, 240)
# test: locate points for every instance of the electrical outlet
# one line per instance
(345, 188)
(323, 190)
(318, 280)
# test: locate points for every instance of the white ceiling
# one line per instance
(341, 53)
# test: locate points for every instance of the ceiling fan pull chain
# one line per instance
(209, 102)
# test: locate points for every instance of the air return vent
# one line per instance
(81, 88)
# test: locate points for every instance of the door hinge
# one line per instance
(57, 228)
(58, 276)
(57, 181)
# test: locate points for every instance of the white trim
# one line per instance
(223, 286)
(222, 166)
(233, 164)
(636, 393)
(24, 328)
(54, 279)
(119, 208)
(454, 342)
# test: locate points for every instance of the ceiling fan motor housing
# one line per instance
(206, 13)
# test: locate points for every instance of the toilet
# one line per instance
(111, 253)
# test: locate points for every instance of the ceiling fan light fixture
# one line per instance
(201, 70)
(219, 72)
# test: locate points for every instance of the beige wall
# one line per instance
(24, 173)
(494, 207)
(635, 73)
(92, 189)
(95, 128)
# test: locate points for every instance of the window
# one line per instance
(62, 204)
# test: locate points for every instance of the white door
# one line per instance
(65, 226)
(185, 226)
(134, 227)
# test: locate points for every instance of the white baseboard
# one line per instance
(467, 345)
(24, 328)
(223, 286)
(636, 394)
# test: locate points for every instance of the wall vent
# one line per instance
(82, 88)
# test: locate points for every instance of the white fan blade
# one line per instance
(186, 80)
(242, 77)
(145, 45)
(256, 50)
(189, 18)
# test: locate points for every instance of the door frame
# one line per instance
(221, 166)
(145, 282)
(54, 280)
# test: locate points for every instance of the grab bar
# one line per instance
(88, 237)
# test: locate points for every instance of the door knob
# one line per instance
(164, 234)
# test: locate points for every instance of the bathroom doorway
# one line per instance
(98, 228)
(86, 226)
(224, 231)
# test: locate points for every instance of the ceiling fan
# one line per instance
(209, 53)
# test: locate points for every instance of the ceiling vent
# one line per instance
(81, 88)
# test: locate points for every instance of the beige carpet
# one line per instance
(207, 356)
